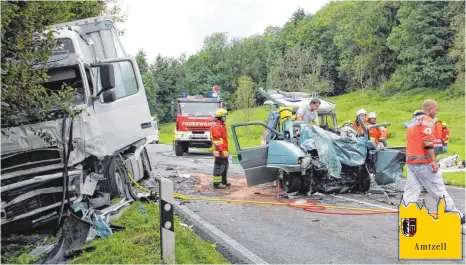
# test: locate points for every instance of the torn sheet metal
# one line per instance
(332, 149)
(91, 183)
(86, 137)
(389, 166)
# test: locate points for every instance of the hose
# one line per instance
(310, 206)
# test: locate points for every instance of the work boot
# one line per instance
(228, 184)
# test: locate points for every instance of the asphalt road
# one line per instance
(280, 234)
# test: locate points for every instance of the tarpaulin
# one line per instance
(332, 149)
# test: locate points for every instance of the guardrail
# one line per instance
(167, 220)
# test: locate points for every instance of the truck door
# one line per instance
(252, 156)
(124, 117)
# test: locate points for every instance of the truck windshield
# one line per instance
(197, 108)
(61, 77)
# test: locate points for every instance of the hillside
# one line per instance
(395, 110)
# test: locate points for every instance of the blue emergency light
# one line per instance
(213, 95)
(183, 95)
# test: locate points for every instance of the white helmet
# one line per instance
(372, 115)
(361, 111)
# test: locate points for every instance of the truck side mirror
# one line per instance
(109, 96)
(107, 77)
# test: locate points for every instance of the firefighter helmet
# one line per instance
(372, 115)
(444, 124)
(221, 112)
(361, 111)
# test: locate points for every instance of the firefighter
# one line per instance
(445, 136)
(423, 170)
(438, 132)
(361, 113)
(383, 135)
(375, 133)
(219, 136)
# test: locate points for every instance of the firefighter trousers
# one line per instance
(220, 170)
(421, 175)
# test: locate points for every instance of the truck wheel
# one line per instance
(178, 149)
(146, 163)
(185, 147)
(113, 182)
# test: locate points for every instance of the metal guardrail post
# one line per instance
(167, 221)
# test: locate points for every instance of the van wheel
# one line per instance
(178, 149)
(293, 183)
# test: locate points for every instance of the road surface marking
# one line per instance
(230, 241)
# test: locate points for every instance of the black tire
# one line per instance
(364, 181)
(186, 147)
(178, 149)
(113, 182)
(156, 142)
(292, 182)
(146, 163)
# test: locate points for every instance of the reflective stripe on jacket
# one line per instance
(446, 135)
(420, 137)
(219, 137)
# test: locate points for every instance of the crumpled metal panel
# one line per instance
(389, 166)
(86, 137)
(332, 149)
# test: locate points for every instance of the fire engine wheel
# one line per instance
(178, 149)
(185, 147)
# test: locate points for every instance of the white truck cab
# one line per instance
(104, 145)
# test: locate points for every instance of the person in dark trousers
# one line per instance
(219, 136)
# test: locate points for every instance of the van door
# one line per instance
(252, 155)
(124, 118)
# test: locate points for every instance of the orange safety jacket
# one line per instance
(438, 132)
(446, 135)
(383, 133)
(219, 137)
(360, 129)
(420, 136)
(375, 134)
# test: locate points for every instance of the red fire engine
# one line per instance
(194, 117)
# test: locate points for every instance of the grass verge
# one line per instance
(139, 242)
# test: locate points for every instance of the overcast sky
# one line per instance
(171, 27)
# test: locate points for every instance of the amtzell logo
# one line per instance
(427, 130)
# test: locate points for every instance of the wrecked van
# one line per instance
(321, 158)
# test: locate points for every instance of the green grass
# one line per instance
(139, 242)
(394, 109)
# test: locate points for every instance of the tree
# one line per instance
(26, 46)
(422, 41)
(245, 95)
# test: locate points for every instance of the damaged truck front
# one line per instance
(321, 158)
(90, 157)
